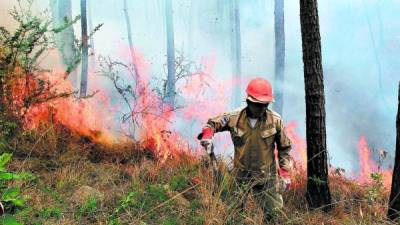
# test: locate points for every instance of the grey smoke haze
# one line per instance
(360, 46)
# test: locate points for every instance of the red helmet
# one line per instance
(259, 90)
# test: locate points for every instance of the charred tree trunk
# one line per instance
(394, 202)
(236, 52)
(65, 40)
(170, 89)
(84, 69)
(279, 54)
(318, 194)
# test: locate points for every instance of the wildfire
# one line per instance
(95, 118)
(299, 146)
(369, 166)
(81, 116)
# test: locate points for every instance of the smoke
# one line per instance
(360, 45)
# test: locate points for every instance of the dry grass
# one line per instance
(139, 190)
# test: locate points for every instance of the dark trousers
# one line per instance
(263, 188)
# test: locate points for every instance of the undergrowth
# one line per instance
(137, 189)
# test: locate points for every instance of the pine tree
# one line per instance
(236, 52)
(65, 40)
(318, 194)
(85, 46)
(170, 89)
(279, 54)
(394, 201)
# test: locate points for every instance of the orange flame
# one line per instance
(369, 166)
(82, 117)
(94, 117)
(299, 146)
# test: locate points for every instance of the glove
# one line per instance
(206, 137)
(207, 133)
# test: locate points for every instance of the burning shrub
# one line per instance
(145, 106)
(24, 85)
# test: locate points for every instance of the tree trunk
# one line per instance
(84, 71)
(170, 92)
(394, 202)
(236, 52)
(279, 54)
(318, 194)
(61, 10)
(130, 40)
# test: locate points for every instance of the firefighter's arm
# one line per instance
(215, 124)
(284, 147)
(219, 123)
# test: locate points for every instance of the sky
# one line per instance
(360, 54)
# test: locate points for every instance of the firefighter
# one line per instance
(256, 131)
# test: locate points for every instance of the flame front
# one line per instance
(368, 166)
(95, 118)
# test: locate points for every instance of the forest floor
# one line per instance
(80, 182)
(76, 181)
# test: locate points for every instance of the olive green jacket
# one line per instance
(254, 147)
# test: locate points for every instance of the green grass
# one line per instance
(143, 191)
